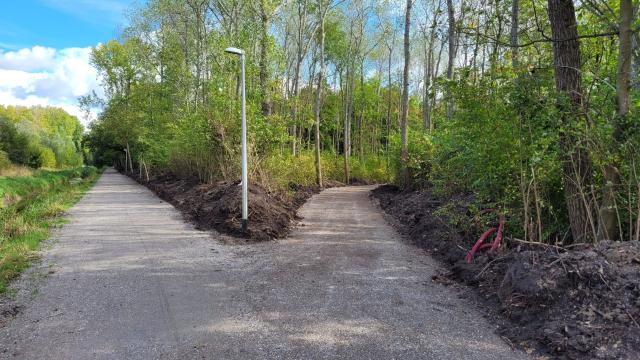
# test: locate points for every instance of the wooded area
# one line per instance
(530, 106)
(40, 137)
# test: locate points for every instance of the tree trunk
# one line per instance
(514, 33)
(452, 54)
(347, 128)
(319, 97)
(608, 227)
(576, 164)
(426, 108)
(404, 154)
(264, 63)
(361, 117)
(624, 59)
(388, 134)
(426, 116)
(130, 161)
(300, 51)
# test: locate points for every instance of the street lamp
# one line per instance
(245, 181)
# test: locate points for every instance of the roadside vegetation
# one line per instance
(30, 207)
(41, 175)
(38, 137)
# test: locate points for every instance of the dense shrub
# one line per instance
(4, 160)
(15, 144)
(88, 171)
(47, 158)
(286, 168)
(41, 137)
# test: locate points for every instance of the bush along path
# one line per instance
(129, 278)
(30, 206)
(581, 302)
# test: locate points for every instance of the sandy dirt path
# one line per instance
(127, 278)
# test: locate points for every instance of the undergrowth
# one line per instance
(281, 170)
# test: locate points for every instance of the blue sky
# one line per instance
(45, 49)
(60, 23)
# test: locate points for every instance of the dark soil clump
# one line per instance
(566, 303)
(8, 309)
(219, 206)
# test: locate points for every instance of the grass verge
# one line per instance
(34, 207)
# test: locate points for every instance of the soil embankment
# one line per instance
(219, 206)
(576, 303)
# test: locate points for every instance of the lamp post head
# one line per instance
(232, 50)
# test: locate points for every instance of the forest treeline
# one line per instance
(530, 106)
(39, 137)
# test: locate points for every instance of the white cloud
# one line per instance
(47, 76)
(36, 58)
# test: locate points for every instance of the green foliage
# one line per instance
(501, 146)
(4, 160)
(88, 172)
(285, 169)
(420, 145)
(15, 144)
(40, 137)
(47, 158)
(478, 149)
(36, 201)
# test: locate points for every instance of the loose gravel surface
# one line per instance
(128, 279)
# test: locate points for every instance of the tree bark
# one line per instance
(576, 163)
(388, 134)
(452, 54)
(347, 127)
(514, 33)
(426, 116)
(300, 52)
(624, 58)
(264, 61)
(608, 227)
(404, 154)
(322, 12)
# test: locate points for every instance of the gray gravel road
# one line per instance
(127, 278)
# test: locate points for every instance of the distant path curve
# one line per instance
(129, 279)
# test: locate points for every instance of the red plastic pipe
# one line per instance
(498, 240)
(478, 244)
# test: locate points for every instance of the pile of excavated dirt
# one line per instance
(576, 303)
(219, 206)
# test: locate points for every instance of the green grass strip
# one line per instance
(27, 222)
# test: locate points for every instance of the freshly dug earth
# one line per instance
(219, 206)
(577, 303)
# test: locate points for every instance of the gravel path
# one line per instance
(127, 278)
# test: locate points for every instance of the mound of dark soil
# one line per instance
(578, 303)
(415, 218)
(219, 206)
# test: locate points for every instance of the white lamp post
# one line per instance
(245, 181)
